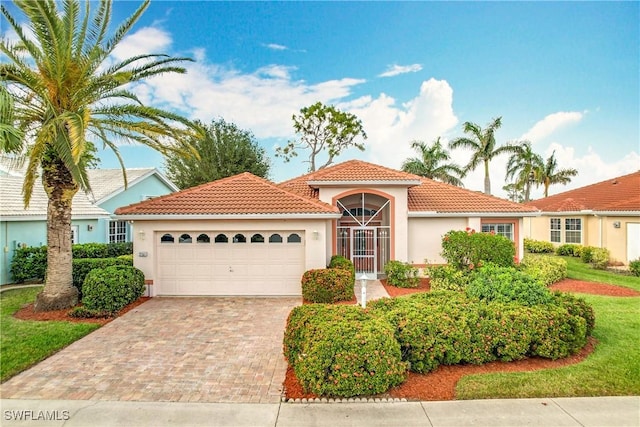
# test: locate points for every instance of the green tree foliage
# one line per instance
(482, 143)
(431, 163)
(224, 150)
(67, 89)
(323, 128)
(525, 166)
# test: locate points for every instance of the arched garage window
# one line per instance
(257, 238)
(167, 238)
(275, 238)
(294, 238)
(203, 238)
(185, 238)
(221, 238)
(239, 238)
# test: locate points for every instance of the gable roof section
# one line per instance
(621, 194)
(108, 183)
(433, 197)
(239, 195)
(12, 206)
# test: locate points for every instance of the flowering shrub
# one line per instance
(468, 249)
(599, 258)
(547, 269)
(343, 351)
(327, 285)
(569, 249)
(448, 278)
(338, 261)
(538, 246)
(401, 274)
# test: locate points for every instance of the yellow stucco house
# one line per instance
(244, 235)
(605, 215)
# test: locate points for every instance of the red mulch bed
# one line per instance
(440, 384)
(27, 313)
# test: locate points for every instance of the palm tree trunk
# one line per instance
(546, 187)
(58, 292)
(487, 180)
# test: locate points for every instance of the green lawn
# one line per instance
(25, 343)
(612, 369)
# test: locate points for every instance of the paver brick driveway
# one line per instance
(171, 349)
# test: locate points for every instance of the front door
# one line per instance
(363, 250)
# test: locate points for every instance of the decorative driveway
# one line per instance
(171, 349)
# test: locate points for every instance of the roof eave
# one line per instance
(377, 183)
(121, 189)
(40, 217)
(493, 214)
(156, 217)
(591, 212)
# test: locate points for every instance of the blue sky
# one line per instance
(564, 75)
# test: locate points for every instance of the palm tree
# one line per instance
(551, 175)
(483, 144)
(525, 166)
(67, 90)
(429, 163)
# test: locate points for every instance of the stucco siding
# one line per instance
(425, 238)
(151, 186)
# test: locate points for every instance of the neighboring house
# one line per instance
(604, 215)
(92, 218)
(244, 235)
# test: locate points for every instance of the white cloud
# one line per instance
(275, 46)
(394, 70)
(550, 124)
(144, 41)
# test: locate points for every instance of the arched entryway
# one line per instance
(363, 233)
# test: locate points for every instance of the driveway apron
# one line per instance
(171, 349)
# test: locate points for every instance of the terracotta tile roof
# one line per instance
(236, 195)
(434, 196)
(616, 194)
(358, 170)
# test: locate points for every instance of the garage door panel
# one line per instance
(210, 268)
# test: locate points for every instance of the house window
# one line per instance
(221, 238)
(117, 231)
(203, 238)
(573, 230)
(167, 238)
(502, 229)
(294, 238)
(239, 238)
(555, 225)
(257, 238)
(275, 238)
(185, 238)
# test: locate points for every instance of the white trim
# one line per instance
(383, 183)
(8, 218)
(434, 214)
(590, 213)
(155, 217)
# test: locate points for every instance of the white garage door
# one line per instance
(230, 263)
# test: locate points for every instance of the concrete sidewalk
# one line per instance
(578, 411)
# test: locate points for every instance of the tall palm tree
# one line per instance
(429, 163)
(550, 174)
(525, 166)
(68, 91)
(483, 144)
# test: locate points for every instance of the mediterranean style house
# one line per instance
(244, 235)
(92, 218)
(605, 215)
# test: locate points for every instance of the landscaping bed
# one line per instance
(440, 384)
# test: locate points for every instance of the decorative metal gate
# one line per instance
(366, 247)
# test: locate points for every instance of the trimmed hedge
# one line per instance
(82, 267)
(600, 258)
(30, 263)
(569, 249)
(338, 261)
(538, 246)
(506, 284)
(401, 274)
(342, 351)
(448, 278)
(634, 267)
(547, 269)
(110, 289)
(327, 285)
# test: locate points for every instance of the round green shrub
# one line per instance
(401, 274)
(634, 267)
(538, 246)
(569, 249)
(576, 306)
(111, 288)
(338, 261)
(346, 359)
(327, 285)
(468, 249)
(448, 278)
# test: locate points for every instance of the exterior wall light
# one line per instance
(316, 235)
(141, 234)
